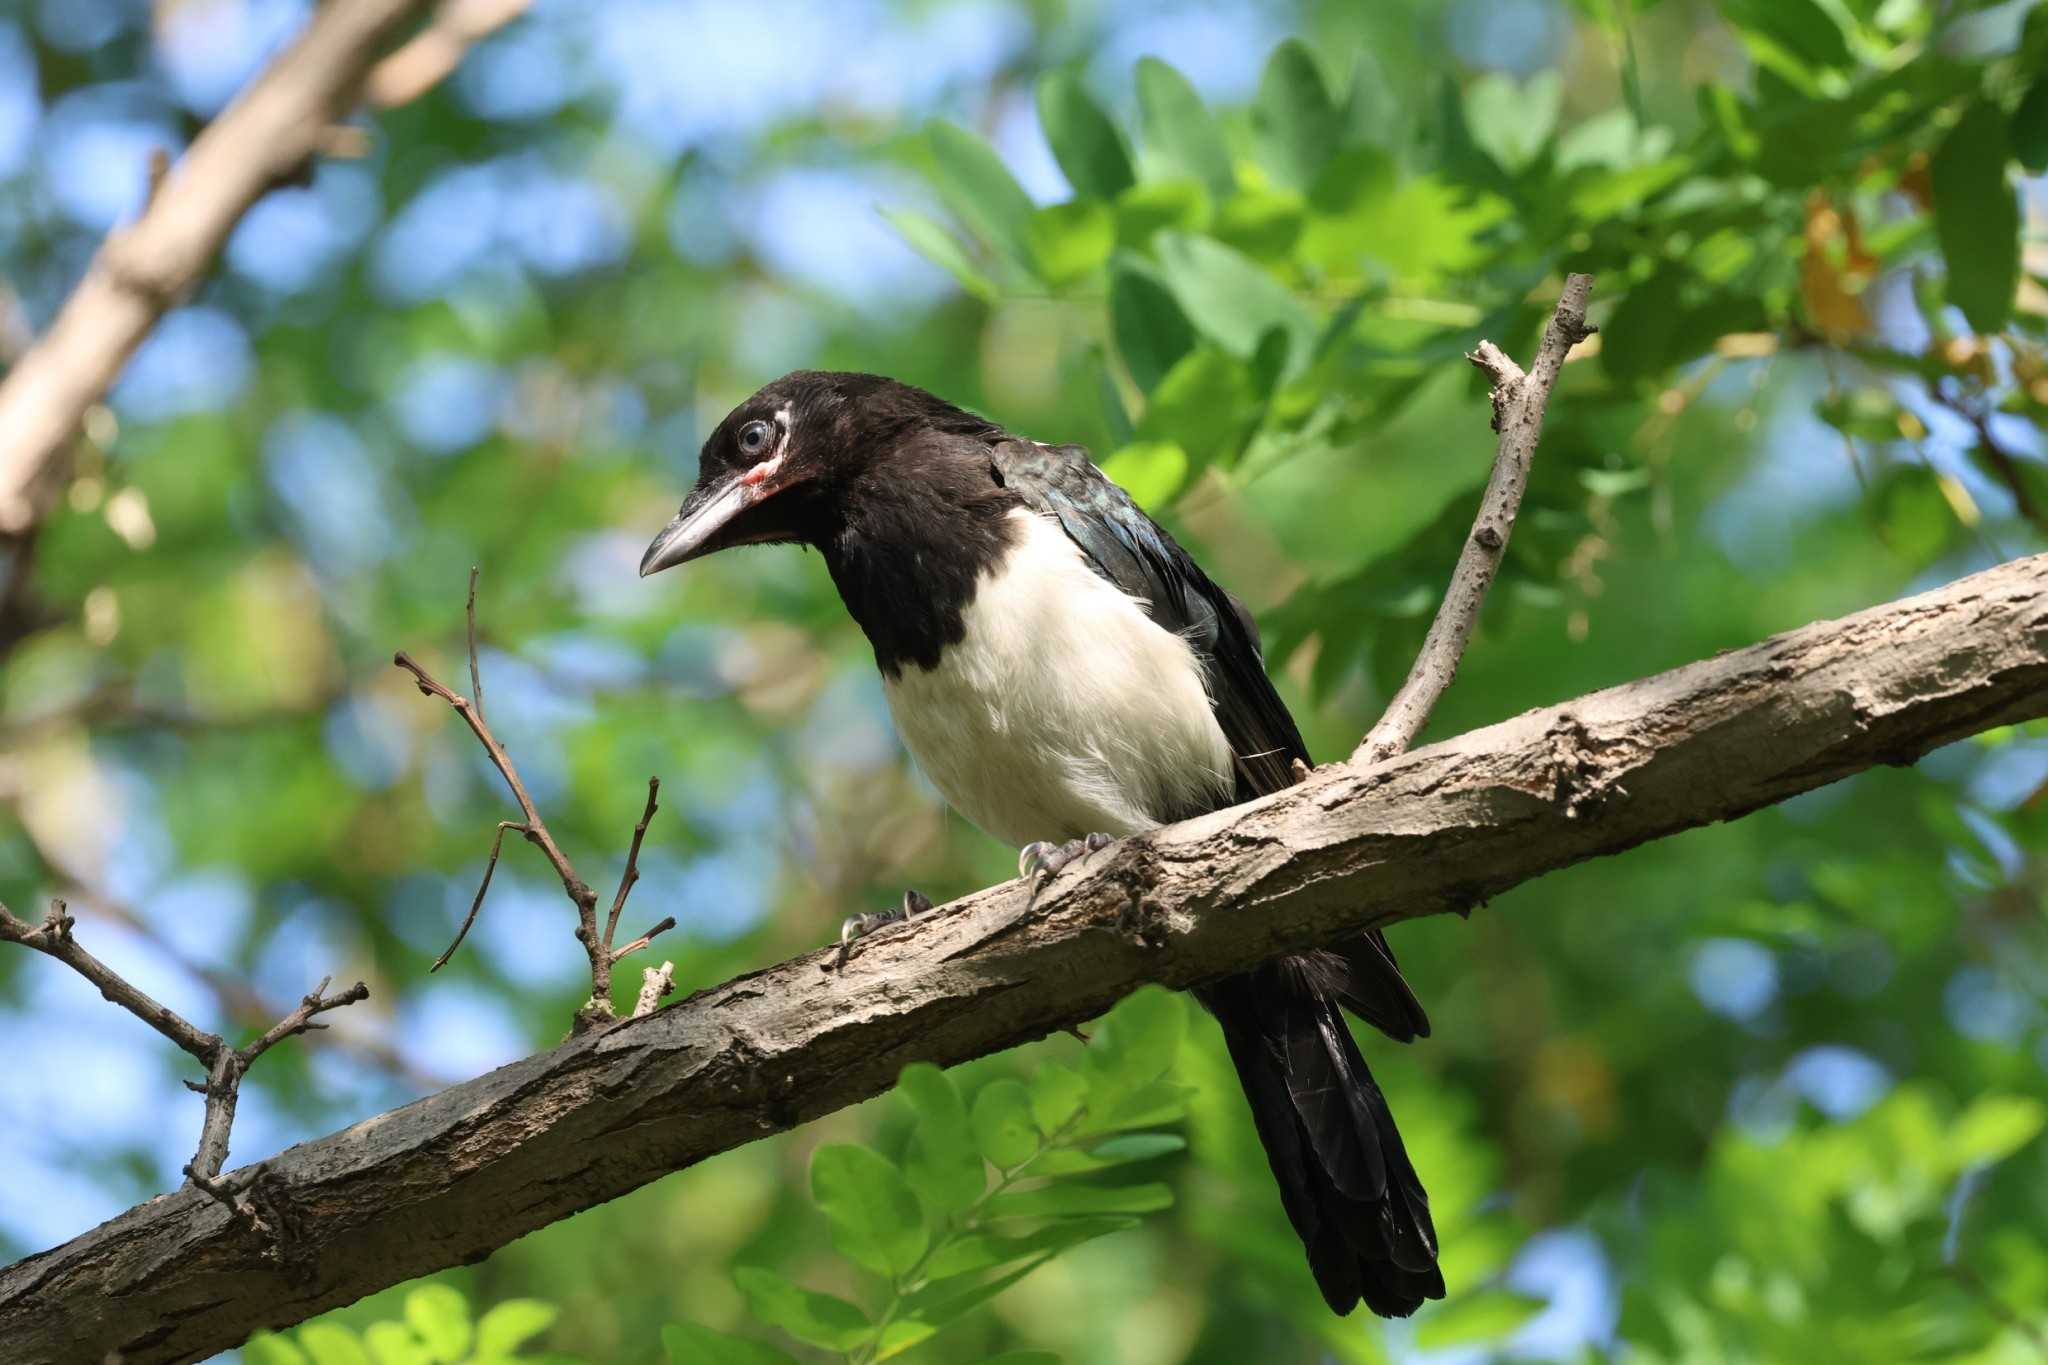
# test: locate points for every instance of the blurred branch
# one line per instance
(225, 1066)
(427, 58)
(265, 137)
(446, 1180)
(597, 943)
(1519, 401)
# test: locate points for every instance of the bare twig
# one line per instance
(264, 138)
(1519, 401)
(666, 923)
(225, 1066)
(434, 51)
(476, 677)
(597, 943)
(632, 872)
(497, 845)
(655, 982)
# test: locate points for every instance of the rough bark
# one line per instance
(449, 1178)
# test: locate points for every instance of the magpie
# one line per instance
(1065, 674)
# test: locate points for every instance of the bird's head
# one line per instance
(782, 464)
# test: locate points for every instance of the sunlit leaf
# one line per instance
(1296, 126)
(328, 1343)
(981, 192)
(1087, 145)
(268, 1348)
(510, 1324)
(1070, 240)
(1067, 1199)
(876, 1219)
(1002, 1123)
(943, 1164)
(939, 246)
(1150, 471)
(811, 1317)
(439, 1315)
(1179, 132)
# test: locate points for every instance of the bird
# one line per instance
(1065, 674)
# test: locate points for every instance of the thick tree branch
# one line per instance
(270, 131)
(447, 1179)
(1519, 401)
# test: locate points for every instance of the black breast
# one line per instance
(915, 534)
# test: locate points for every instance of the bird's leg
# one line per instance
(860, 926)
(1041, 861)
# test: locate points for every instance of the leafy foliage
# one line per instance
(437, 1329)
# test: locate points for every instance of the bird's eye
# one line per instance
(754, 437)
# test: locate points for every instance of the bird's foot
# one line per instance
(860, 926)
(1041, 861)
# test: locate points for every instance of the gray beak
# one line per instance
(695, 529)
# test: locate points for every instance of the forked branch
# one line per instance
(1519, 401)
(596, 941)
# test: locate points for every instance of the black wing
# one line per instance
(1136, 554)
(1132, 551)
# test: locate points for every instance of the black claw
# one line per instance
(855, 927)
(1041, 861)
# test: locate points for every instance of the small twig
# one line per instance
(497, 844)
(597, 944)
(55, 938)
(667, 923)
(632, 872)
(2003, 463)
(1519, 401)
(476, 677)
(236, 1206)
(655, 983)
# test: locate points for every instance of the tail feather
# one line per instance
(1345, 1179)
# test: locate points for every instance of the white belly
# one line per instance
(1065, 711)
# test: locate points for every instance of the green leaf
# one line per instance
(1068, 241)
(1068, 1199)
(902, 1334)
(509, 1325)
(1148, 1107)
(1296, 126)
(936, 244)
(1150, 471)
(1482, 1316)
(1150, 331)
(392, 1343)
(1231, 299)
(981, 192)
(1137, 1042)
(1057, 1094)
(1088, 147)
(2029, 131)
(943, 1163)
(1265, 224)
(1023, 1358)
(1180, 134)
(975, 1251)
(1205, 404)
(1002, 1124)
(1800, 31)
(1144, 210)
(939, 1304)
(439, 1316)
(876, 1219)
(1977, 217)
(814, 1318)
(268, 1348)
(1994, 1127)
(1638, 339)
(330, 1343)
(689, 1344)
(1512, 120)
(1121, 1151)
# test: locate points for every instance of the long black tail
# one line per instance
(1345, 1178)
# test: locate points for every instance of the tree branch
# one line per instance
(447, 1179)
(225, 1066)
(1519, 401)
(271, 130)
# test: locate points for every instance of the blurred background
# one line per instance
(1767, 1091)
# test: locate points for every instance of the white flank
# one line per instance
(1065, 711)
